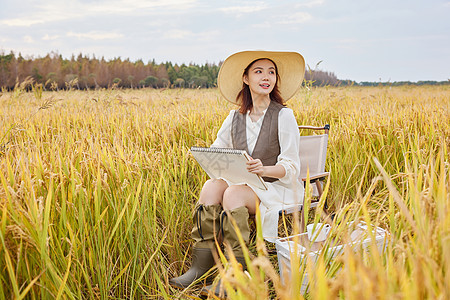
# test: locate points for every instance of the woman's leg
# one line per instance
(240, 195)
(205, 230)
(238, 202)
(212, 192)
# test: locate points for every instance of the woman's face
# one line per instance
(261, 77)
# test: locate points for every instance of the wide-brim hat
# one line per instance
(290, 65)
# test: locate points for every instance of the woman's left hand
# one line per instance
(255, 166)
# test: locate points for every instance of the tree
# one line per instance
(179, 82)
(85, 80)
(173, 76)
(165, 82)
(130, 80)
(52, 79)
(71, 81)
(151, 81)
(5, 68)
(36, 76)
(199, 81)
(93, 76)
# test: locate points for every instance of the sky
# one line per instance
(361, 40)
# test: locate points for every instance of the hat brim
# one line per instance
(290, 65)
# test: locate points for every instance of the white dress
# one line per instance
(286, 191)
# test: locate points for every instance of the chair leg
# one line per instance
(325, 213)
(300, 221)
(302, 225)
(319, 188)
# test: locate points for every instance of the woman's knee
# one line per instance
(215, 186)
(235, 196)
(216, 182)
(212, 191)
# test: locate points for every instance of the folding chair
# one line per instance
(313, 152)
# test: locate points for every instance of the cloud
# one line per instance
(363, 44)
(56, 10)
(132, 6)
(310, 3)
(259, 6)
(208, 35)
(239, 10)
(95, 35)
(53, 14)
(177, 34)
(47, 37)
(28, 39)
(269, 13)
(296, 18)
(22, 22)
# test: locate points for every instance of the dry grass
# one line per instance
(97, 188)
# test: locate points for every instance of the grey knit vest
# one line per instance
(267, 147)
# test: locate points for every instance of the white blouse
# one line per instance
(286, 191)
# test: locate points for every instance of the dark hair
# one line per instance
(244, 97)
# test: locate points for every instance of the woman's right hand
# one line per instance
(255, 166)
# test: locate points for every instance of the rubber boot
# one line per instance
(240, 215)
(206, 226)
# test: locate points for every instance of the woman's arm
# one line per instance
(289, 138)
(223, 139)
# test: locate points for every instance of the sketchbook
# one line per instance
(229, 164)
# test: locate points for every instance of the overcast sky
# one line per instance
(362, 40)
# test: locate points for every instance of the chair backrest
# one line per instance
(313, 153)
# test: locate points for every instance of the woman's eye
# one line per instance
(258, 71)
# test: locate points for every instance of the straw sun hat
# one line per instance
(290, 65)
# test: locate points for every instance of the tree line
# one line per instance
(83, 72)
(398, 83)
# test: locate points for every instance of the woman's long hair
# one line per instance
(244, 98)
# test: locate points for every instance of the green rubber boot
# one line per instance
(240, 215)
(206, 228)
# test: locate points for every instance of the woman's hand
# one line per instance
(255, 166)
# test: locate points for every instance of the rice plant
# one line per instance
(97, 190)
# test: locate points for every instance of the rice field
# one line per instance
(97, 189)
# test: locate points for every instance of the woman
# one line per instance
(257, 81)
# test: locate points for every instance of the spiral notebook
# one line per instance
(229, 164)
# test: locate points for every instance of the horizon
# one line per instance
(363, 41)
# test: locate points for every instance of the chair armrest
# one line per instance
(299, 208)
(290, 210)
(325, 128)
(319, 176)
